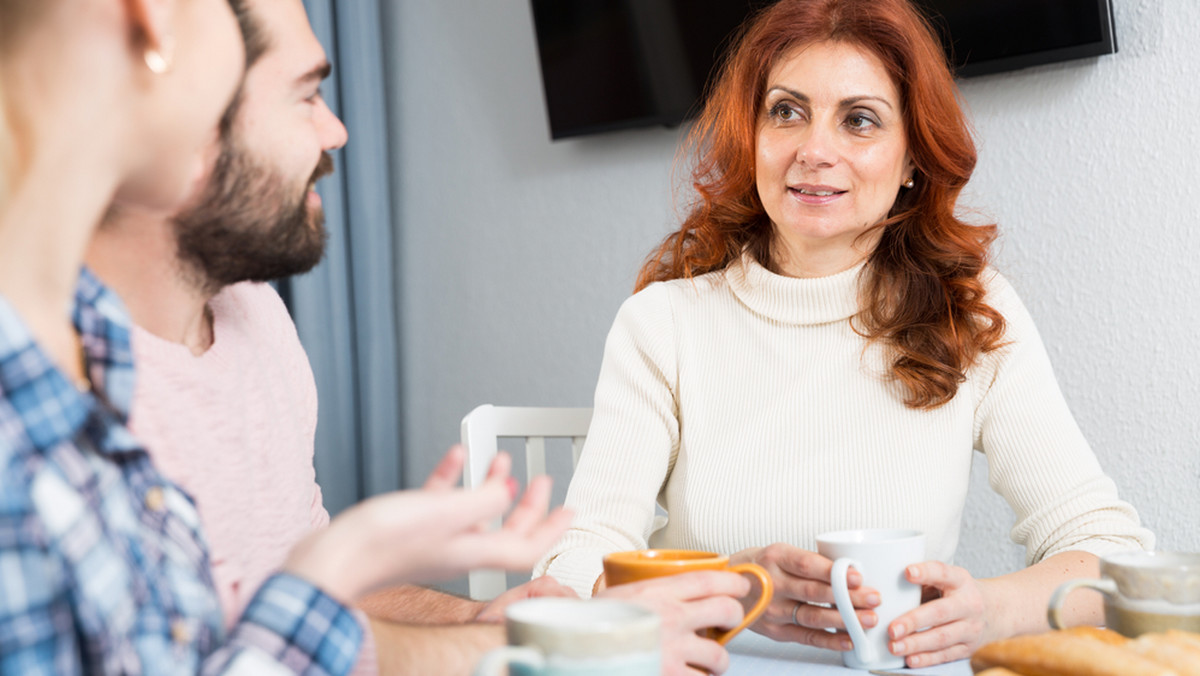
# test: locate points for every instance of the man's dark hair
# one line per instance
(257, 43)
(252, 31)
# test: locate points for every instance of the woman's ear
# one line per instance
(152, 25)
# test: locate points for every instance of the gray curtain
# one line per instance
(345, 309)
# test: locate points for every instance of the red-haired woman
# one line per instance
(822, 345)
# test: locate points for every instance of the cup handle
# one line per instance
(841, 595)
(1054, 614)
(768, 592)
(495, 662)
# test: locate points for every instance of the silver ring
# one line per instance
(794, 611)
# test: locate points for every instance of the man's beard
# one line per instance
(250, 224)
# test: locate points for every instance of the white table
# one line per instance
(752, 654)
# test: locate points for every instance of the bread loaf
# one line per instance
(1062, 653)
(1184, 637)
(1177, 653)
(1098, 633)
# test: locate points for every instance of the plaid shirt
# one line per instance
(103, 567)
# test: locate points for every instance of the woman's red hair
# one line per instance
(922, 295)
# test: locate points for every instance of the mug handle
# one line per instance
(841, 596)
(768, 592)
(495, 662)
(1054, 614)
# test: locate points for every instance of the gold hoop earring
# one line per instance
(909, 183)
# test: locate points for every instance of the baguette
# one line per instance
(1098, 633)
(1176, 653)
(997, 671)
(1188, 637)
(1063, 654)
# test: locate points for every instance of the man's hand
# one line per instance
(687, 603)
(431, 534)
(535, 588)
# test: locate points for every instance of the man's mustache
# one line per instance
(324, 168)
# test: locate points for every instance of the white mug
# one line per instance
(880, 556)
(576, 637)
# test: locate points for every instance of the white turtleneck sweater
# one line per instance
(745, 405)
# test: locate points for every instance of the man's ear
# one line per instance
(151, 24)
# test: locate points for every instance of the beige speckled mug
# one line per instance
(1144, 592)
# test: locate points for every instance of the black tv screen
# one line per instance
(618, 64)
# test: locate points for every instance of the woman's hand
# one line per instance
(436, 533)
(952, 616)
(803, 608)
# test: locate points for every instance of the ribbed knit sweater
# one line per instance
(744, 404)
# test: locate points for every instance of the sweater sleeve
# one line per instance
(1038, 459)
(631, 444)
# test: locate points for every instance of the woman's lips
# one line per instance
(815, 194)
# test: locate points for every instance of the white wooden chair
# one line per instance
(482, 427)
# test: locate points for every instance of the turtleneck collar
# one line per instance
(792, 300)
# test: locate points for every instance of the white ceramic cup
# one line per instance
(576, 637)
(880, 556)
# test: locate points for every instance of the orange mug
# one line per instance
(644, 564)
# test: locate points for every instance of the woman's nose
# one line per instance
(816, 148)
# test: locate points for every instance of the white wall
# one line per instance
(516, 251)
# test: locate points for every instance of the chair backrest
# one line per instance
(482, 427)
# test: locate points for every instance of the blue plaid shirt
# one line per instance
(103, 566)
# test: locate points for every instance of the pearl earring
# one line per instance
(158, 59)
(909, 183)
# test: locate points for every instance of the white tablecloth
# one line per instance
(752, 654)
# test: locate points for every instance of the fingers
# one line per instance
(538, 587)
(690, 655)
(955, 621)
(803, 564)
(820, 591)
(931, 641)
(518, 549)
(448, 471)
(804, 576)
(500, 468)
(532, 507)
(683, 587)
(961, 599)
(937, 574)
(818, 638)
(546, 586)
(956, 652)
(820, 617)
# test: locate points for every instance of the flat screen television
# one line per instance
(619, 64)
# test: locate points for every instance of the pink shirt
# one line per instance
(235, 427)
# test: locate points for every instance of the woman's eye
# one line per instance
(784, 112)
(861, 121)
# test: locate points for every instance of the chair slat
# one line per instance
(535, 457)
(480, 430)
